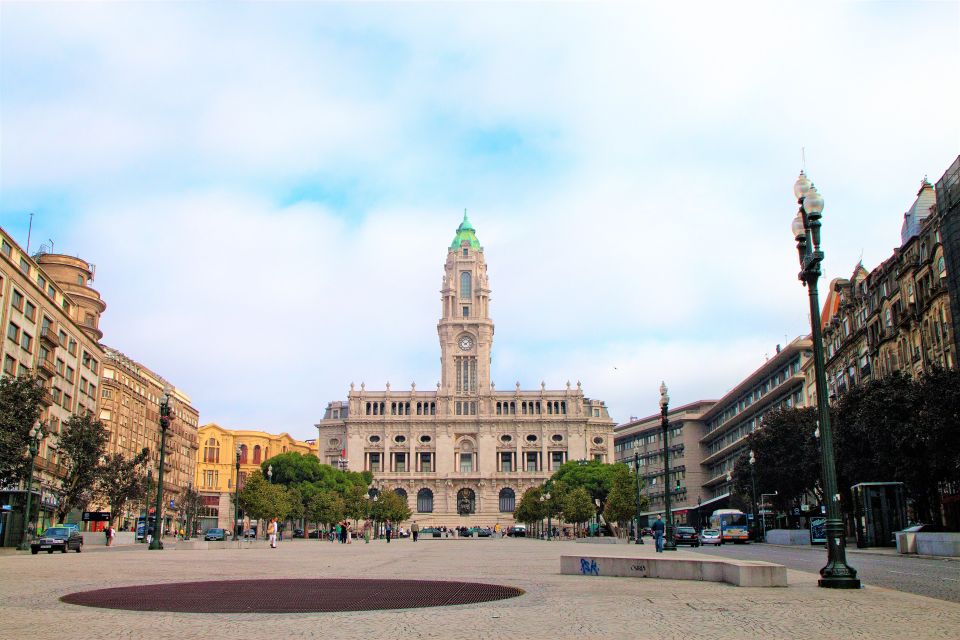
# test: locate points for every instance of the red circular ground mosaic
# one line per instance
(291, 595)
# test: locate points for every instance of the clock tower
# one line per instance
(465, 328)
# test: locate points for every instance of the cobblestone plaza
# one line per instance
(553, 605)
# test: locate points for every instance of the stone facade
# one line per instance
(130, 396)
(50, 316)
(216, 472)
(464, 453)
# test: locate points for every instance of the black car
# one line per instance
(215, 534)
(58, 539)
(298, 533)
(686, 535)
(517, 532)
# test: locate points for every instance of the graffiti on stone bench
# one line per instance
(588, 567)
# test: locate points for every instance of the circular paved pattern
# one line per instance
(291, 595)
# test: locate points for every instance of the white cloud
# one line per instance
(641, 223)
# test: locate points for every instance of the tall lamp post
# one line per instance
(165, 419)
(836, 574)
(549, 505)
(33, 446)
(636, 468)
(668, 544)
(753, 487)
(236, 498)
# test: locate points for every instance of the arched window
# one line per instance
(373, 493)
(211, 451)
(256, 454)
(466, 288)
(402, 493)
(466, 501)
(243, 454)
(425, 501)
(508, 500)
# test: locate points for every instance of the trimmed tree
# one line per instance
(578, 506)
(325, 507)
(621, 505)
(119, 480)
(20, 408)
(81, 444)
(390, 506)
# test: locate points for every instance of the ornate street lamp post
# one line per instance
(836, 574)
(668, 544)
(236, 499)
(165, 419)
(753, 487)
(546, 497)
(33, 446)
(636, 468)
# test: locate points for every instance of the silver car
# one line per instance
(710, 536)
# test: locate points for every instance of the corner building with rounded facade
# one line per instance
(463, 454)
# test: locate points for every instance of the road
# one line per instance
(927, 577)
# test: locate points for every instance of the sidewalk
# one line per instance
(873, 551)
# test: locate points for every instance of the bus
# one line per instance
(732, 525)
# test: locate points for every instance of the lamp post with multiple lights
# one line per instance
(33, 446)
(668, 544)
(636, 468)
(836, 574)
(753, 487)
(236, 499)
(165, 420)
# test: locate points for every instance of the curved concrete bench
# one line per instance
(742, 573)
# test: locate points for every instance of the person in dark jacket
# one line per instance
(658, 530)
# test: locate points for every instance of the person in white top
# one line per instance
(272, 530)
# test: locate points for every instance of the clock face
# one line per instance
(466, 343)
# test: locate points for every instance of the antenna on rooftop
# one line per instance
(29, 231)
(803, 158)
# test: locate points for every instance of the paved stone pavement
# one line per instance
(554, 605)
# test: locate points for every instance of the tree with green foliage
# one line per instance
(295, 499)
(262, 500)
(578, 506)
(20, 408)
(81, 444)
(118, 480)
(325, 507)
(531, 508)
(621, 504)
(787, 458)
(355, 502)
(390, 506)
(190, 503)
(595, 477)
(294, 468)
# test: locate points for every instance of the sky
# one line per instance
(268, 190)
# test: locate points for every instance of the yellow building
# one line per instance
(216, 477)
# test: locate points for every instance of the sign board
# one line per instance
(96, 516)
(818, 531)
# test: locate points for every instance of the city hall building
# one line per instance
(463, 453)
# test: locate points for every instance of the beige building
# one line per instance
(50, 316)
(216, 472)
(130, 395)
(463, 453)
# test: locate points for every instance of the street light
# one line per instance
(549, 516)
(165, 419)
(763, 517)
(668, 544)
(636, 467)
(836, 574)
(33, 446)
(753, 486)
(146, 506)
(236, 499)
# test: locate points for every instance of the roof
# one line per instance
(465, 233)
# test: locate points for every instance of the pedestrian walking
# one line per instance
(658, 531)
(414, 530)
(349, 533)
(389, 529)
(272, 532)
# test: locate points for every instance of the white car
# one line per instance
(710, 536)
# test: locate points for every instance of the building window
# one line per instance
(13, 332)
(17, 300)
(466, 290)
(5, 247)
(531, 458)
(243, 455)
(426, 463)
(211, 452)
(506, 462)
(373, 462)
(400, 462)
(556, 459)
(26, 341)
(9, 365)
(508, 500)
(425, 501)
(30, 310)
(24, 265)
(466, 312)
(466, 462)
(256, 454)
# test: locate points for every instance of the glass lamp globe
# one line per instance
(801, 185)
(813, 202)
(797, 227)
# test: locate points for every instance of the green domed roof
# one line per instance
(465, 232)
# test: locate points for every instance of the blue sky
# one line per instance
(268, 189)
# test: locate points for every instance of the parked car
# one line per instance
(646, 531)
(58, 539)
(215, 535)
(517, 532)
(480, 532)
(298, 533)
(250, 533)
(686, 535)
(710, 536)
(317, 534)
(430, 532)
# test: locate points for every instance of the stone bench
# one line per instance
(198, 545)
(742, 573)
(938, 544)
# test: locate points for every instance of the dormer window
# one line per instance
(465, 252)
